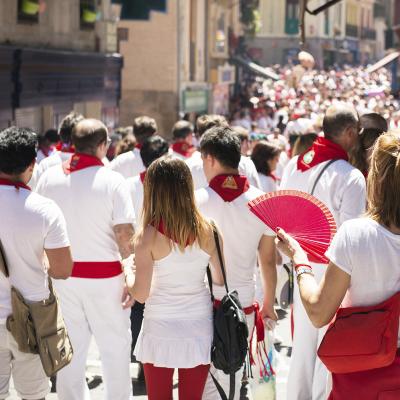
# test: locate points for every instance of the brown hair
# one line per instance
(303, 143)
(384, 181)
(88, 135)
(262, 152)
(143, 127)
(207, 121)
(169, 197)
(127, 143)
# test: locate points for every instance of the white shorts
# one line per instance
(30, 381)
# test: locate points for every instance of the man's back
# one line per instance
(128, 164)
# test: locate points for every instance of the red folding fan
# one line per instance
(302, 216)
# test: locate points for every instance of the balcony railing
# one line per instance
(367, 33)
(351, 30)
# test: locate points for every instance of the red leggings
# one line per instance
(191, 382)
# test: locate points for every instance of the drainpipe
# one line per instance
(179, 54)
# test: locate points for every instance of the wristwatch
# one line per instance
(303, 270)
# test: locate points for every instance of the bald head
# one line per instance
(339, 118)
(88, 135)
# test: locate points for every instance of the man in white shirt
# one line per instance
(195, 164)
(225, 201)
(341, 188)
(31, 228)
(183, 147)
(130, 164)
(99, 214)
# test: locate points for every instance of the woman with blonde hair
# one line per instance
(364, 271)
(172, 250)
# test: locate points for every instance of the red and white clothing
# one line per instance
(246, 168)
(29, 224)
(242, 232)
(128, 164)
(94, 199)
(269, 183)
(183, 150)
(369, 253)
(42, 154)
(342, 189)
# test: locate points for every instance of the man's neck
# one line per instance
(338, 143)
(12, 178)
(227, 171)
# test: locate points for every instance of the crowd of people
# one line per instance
(123, 224)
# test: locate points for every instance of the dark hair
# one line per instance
(143, 127)
(182, 129)
(222, 143)
(67, 125)
(262, 152)
(18, 148)
(52, 136)
(154, 147)
(88, 135)
(207, 121)
(127, 143)
(337, 120)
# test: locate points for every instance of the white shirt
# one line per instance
(128, 164)
(93, 201)
(29, 224)
(370, 254)
(195, 154)
(268, 184)
(41, 156)
(341, 187)
(246, 168)
(242, 232)
(56, 158)
(136, 192)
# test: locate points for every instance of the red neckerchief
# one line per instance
(229, 187)
(184, 149)
(65, 147)
(47, 151)
(80, 161)
(17, 185)
(161, 229)
(273, 176)
(142, 176)
(321, 150)
(138, 146)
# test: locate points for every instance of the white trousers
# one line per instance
(307, 375)
(93, 307)
(210, 390)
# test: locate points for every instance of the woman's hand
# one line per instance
(290, 247)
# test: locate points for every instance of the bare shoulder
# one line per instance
(146, 238)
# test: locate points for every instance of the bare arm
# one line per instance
(320, 301)
(123, 236)
(60, 262)
(267, 260)
(215, 265)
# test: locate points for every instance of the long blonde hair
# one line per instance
(169, 198)
(383, 184)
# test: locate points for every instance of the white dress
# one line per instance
(177, 327)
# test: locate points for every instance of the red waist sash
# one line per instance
(96, 270)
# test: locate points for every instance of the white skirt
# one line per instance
(175, 343)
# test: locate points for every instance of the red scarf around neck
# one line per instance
(229, 187)
(80, 161)
(161, 229)
(184, 149)
(65, 147)
(17, 185)
(138, 146)
(321, 150)
(142, 176)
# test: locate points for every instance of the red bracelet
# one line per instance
(302, 265)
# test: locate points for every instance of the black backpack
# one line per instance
(230, 342)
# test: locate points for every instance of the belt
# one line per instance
(96, 270)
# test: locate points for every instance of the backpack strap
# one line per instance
(320, 174)
(221, 390)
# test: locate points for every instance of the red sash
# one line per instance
(321, 150)
(17, 185)
(184, 149)
(65, 147)
(142, 176)
(80, 161)
(96, 270)
(229, 187)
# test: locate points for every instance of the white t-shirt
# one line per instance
(56, 158)
(29, 224)
(341, 187)
(268, 184)
(370, 254)
(93, 201)
(136, 191)
(246, 168)
(128, 164)
(242, 232)
(41, 156)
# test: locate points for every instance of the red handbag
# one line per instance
(362, 338)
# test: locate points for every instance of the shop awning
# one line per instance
(385, 61)
(266, 73)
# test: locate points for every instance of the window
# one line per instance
(292, 17)
(88, 13)
(327, 23)
(28, 11)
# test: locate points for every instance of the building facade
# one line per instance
(57, 56)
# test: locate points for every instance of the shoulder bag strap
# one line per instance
(221, 261)
(320, 174)
(3, 262)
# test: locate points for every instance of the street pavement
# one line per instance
(94, 373)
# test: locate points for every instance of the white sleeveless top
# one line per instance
(177, 327)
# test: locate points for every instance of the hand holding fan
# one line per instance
(302, 216)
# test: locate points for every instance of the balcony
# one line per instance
(379, 10)
(352, 31)
(367, 33)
